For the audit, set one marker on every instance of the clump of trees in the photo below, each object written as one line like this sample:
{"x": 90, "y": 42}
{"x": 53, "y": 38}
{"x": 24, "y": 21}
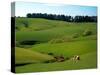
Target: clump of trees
{"x": 63, "y": 17}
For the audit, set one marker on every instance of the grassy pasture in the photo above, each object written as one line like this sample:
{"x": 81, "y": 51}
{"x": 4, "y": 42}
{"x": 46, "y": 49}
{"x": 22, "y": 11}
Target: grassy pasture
{"x": 44, "y": 31}
{"x": 85, "y": 63}
{"x": 27, "y": 56}
{"x": 61, "y": 29}
{"x": 67, "y": 49}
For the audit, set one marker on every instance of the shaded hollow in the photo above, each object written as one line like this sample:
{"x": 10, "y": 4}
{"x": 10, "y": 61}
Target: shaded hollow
{"x": 31, "y": 42}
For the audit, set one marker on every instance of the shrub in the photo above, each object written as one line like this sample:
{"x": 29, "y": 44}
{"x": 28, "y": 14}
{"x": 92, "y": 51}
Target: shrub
{"x": 87, "y": 33}
{"x": 50, "y": 53}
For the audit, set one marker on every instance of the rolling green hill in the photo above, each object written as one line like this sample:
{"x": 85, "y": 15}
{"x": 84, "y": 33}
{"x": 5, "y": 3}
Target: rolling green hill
{"x": 61, "y": 29}
{"x": 85, "y": 63}
{"x": 67, "y": 49}
{"x": 58, "y": 38}
{"x": 28, "y": 56}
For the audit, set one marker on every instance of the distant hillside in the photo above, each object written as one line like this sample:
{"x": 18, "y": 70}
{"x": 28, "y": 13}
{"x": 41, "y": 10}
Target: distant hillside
{"x": 45, "y": 30}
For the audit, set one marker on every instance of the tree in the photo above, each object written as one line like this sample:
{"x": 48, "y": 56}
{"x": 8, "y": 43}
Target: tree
{"x": 62, "y": 17}
{"x": 29, "y": 15}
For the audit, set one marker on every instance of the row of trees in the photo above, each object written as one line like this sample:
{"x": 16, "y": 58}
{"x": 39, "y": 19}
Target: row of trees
{"x": 63, "y": 17}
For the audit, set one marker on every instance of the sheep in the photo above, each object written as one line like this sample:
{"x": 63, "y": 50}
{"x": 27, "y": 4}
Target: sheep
{"x": 75, "y": 58}
{"x": 59, "y": 58}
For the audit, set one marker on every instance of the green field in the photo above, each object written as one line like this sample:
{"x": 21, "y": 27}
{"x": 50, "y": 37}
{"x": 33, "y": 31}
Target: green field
{"x": 27, "y": 56}
{"x": 41, "y": 40}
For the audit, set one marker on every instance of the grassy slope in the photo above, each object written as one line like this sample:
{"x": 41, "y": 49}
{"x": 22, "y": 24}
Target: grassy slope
{"x": 67, "y": 49}
{"x": 86, "y": 50}
{"x": 27, "y": 56}
{"x": 44, "y": 30}
{"x": 85, "y": 63}
{"x": 61, "y": 29}
{"x": 37, "y": 24}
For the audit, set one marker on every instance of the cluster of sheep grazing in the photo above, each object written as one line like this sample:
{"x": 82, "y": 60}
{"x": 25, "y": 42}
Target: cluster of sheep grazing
{"x": 75, "y": 58}
{"x": 61, "y": 58}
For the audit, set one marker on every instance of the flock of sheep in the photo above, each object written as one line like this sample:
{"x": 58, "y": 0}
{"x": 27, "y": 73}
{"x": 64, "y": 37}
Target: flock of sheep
{"x": 61, "y": 58}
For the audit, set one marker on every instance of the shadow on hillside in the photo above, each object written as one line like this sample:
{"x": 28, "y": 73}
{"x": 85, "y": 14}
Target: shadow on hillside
{"x": 27, "y": 43}
{"x": 22, "y": 64}
{"x": 32, "y": 42}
